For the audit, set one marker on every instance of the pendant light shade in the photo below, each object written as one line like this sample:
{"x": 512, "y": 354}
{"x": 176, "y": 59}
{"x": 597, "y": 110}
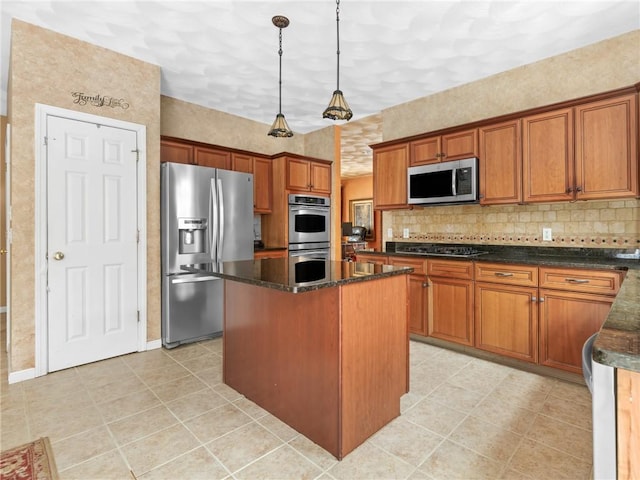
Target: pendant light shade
{"x": 338, "y": 108}
{"x": 280, "y": 127}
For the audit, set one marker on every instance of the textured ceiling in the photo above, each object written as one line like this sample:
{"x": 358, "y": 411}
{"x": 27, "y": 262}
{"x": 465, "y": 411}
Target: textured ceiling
{"x": 222, "y": 54}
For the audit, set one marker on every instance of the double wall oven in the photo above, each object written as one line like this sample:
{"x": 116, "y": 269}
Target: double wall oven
{"x": 309, "y": 226}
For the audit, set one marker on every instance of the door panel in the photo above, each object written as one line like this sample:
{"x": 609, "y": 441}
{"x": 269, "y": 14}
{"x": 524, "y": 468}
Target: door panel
{"x": 92, "y": 242}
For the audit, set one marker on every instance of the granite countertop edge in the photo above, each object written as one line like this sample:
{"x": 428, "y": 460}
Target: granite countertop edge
{"x": 301, "y": 288}
{"x": 618, "y": 342}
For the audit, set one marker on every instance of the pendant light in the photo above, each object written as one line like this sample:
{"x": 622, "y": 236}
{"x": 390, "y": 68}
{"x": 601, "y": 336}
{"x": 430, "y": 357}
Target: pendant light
{"x": 338, "y": 108}
{"x": 280, "y": 127}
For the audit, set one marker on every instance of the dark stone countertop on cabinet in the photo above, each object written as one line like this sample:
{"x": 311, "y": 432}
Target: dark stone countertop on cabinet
{"x": 282, "y": 274}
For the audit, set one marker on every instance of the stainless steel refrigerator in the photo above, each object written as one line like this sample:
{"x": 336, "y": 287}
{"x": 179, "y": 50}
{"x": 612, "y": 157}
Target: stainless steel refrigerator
{"x": 207, "y": 217}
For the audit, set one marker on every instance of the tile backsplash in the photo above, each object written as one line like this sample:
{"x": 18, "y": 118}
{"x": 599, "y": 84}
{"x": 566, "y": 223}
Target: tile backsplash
{"x": 601, "y": 224}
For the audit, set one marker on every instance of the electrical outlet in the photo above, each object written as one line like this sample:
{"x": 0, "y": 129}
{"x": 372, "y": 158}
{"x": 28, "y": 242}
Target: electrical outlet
{"x": 389, "y": 233}
{"x": 546, "y": 235}
{"x": 405, "y": 233}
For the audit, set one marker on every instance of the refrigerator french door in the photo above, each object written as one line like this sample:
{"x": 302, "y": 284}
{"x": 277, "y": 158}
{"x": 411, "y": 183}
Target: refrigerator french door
{"x": 206, "y": 217}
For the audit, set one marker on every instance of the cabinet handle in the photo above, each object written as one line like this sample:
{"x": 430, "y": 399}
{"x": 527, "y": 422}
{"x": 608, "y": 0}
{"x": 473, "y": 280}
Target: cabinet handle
{"x": 569, "y": 190}
{"x": 578, "y": 189}
{"x": 503, "y": 274}
{"x": 576, "y": 280}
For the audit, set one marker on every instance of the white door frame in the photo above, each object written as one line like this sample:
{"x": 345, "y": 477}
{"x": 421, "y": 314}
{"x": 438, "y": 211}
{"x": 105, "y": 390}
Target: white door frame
{"x": 41, "y": 310}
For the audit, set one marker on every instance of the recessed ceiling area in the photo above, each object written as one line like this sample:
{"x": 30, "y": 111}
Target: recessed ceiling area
{"x": 223, "y": 54}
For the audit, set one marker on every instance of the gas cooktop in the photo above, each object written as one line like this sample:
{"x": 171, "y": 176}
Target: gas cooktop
{"x": 440, "y": 250}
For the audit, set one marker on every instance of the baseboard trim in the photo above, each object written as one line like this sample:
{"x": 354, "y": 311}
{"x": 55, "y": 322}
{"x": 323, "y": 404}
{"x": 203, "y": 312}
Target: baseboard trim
{"x": 154, "y": 344}
{"x": 22, "y": 375}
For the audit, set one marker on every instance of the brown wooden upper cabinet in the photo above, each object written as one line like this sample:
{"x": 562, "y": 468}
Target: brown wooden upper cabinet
{"x": 607, "y": 149}
{"x": 443, "y": 148}
{"x": 604, "y": 163}
{"x": 262, "y": 171}
{"x": 547, "y": 156}
{"x": 390, "y": 176}
{"x": 500, "y": 164}
{"x": 308, "y": 176}
{"x": 211, "y": 157}
{"x": 176, "y": 152}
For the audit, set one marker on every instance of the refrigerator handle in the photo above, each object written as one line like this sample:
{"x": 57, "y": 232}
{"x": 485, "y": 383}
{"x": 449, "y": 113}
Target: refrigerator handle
{"x": 221, "y": 219}
{"x": 213, "y": 220}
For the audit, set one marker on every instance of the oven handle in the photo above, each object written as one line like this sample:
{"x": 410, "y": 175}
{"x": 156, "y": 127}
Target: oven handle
{"x": 308, "y": 253}
{"x": 297, "y": 208}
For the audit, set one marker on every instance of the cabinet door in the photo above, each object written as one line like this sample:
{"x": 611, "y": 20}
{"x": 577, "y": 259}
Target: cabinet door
{"x": 606, "y": 149}
{"x": 175, "y": 152}
{"x": 418, "y": 294}
{"x": 320, "y": 178}
{"x": 547, "y": 156}
{"x": 500, "y": 163}
{"x": 567, "y": 319}
{"x": 427, "y": 150}
{"x": 390, "y": 177}
{"x": 262, "y": 185}
{"x": 460, "y": 145}
{"x": 298, "y": 174}
{"x": 209, "y": 157}
{"x": 506, "y": 320}
{"x": 451, "y": 310}
{"x": 241, "y": 163}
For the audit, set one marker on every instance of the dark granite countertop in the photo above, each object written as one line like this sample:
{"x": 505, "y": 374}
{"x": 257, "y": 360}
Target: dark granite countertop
{"x": 291, "y": 275}
{"x": 618, "y": 344}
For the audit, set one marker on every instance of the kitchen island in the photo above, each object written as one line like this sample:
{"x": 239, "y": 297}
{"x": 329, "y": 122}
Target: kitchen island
{"x": 322, "y": 345}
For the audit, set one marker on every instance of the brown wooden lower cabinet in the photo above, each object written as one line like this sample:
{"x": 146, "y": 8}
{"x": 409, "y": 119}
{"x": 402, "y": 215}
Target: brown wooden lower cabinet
{"x": 567, "y": 320}
{"x": 506, "y": 320}
{"x": 418, "y": 297}
{"x": 332, "y": 363}
{"x": 537, "y": 314}
{"x": 628, "y": 420}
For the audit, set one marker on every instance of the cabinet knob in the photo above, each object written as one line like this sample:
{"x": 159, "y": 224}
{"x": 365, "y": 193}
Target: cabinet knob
{"x": 541, "y": 299}
{"x": 534, "y": 299}
{"x": 578, "y": 189}
{"x": 569, "y": 190}
{"x": 425, "y": 285}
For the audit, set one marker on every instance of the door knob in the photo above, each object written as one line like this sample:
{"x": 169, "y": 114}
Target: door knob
{"x": 58, "y": 256}
{"x": 3, "y": 251}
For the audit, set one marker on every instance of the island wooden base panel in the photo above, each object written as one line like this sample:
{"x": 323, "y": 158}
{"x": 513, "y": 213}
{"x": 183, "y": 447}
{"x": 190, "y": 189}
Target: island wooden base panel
{"x": 331, "y": 363}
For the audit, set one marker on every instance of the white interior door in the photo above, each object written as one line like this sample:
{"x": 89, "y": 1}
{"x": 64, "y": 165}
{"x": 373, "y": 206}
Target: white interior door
{"x": 91, "y": 242}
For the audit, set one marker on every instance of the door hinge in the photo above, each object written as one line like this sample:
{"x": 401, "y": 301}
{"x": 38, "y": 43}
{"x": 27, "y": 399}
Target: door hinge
{"x": 137, "y": 152}
{"x": 138, "y": 315}
{"x": 137, "y": 236}
{"x": 46, "y": 141}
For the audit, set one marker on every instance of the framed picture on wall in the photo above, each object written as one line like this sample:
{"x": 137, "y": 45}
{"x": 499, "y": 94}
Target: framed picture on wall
{"x": 362, "y": 216}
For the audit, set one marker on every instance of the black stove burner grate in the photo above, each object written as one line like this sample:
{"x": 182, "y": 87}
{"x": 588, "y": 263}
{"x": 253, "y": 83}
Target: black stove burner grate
{"x": 444, "y": 250}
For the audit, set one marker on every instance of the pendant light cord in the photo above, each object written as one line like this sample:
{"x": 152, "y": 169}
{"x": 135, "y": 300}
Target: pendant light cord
{"x": 338, "y": 43}
{"x": 280, "y": 76}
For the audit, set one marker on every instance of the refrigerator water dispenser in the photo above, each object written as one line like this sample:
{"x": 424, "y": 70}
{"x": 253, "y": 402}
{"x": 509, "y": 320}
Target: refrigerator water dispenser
{"x": 192, "y": 235}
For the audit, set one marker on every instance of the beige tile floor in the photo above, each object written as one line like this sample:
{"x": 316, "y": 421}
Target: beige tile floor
{"x": 167, "y": 415}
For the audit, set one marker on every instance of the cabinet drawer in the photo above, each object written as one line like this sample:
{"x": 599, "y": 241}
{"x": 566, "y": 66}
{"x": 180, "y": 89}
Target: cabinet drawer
{"x": 450, "y": 269}
{"x": 606, "y": 282}
{"x": 508, "y": 274}
{"x": 419, "y": 265}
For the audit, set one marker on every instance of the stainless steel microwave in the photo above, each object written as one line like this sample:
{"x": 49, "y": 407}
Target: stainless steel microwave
{"x": 443, "y": 183}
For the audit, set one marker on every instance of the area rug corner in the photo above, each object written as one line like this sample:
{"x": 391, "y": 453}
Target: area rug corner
{"x": 31, "y": 461}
